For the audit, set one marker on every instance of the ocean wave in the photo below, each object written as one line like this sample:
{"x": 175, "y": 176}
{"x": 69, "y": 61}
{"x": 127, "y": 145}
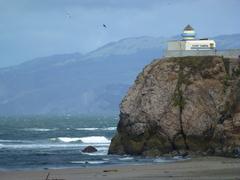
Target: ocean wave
{"x": 88, "y": 162}
{"x": 13, "y": 141}
{"x": 96, "y": 162}
{"x": 94, "y": 129}
{"x": 161, "y": 160}
{"x": 38, "y": 146}
{"x": 87, "y": 129}
{"x": 6, "y": 141}
{"x": 66, "y": 139}
{"x": 125, "y": 158}
{"x": 109, "y": 128}
{"x": 95, "y": 139}
{"x": 39, "y": 129}
{"x": 98, "y": 153}
{"x": 78, "y": 162}
{"x": 89, "y": 139}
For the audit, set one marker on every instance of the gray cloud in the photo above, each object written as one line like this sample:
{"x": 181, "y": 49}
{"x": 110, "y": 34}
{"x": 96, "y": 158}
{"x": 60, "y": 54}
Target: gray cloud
{"x": 92, "y": 4}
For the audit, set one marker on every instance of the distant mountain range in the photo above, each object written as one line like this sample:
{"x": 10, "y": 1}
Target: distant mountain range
{"x": 93, "y": 83}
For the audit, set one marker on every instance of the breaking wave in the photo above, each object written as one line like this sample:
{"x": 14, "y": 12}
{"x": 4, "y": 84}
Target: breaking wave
{"x": 89, "y": 139}
{"x": 88, "y": 162}
{"x": 125, "y": 158}
{"x": 13, "y": 141}
{"x": 39, "y": 129}
{"x": 38, "y": 146}
{"x": 94, "y": 129}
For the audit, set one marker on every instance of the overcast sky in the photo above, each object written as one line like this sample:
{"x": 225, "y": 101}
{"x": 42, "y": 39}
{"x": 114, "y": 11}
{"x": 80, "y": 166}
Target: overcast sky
{"x": 35, "y": 28}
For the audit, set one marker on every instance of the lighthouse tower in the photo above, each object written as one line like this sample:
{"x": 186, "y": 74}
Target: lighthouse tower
{"x": 188, "y": 33}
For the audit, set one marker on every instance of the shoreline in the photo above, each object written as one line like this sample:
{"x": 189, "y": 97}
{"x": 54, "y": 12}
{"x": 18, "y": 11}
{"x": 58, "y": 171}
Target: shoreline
{"x": 195, "y": 168}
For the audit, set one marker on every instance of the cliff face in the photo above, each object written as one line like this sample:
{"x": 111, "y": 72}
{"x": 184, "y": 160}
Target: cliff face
{"x": 182, "y": 104}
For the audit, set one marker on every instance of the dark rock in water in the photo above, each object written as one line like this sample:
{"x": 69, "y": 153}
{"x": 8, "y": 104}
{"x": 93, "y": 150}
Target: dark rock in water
{"x": 89, "y": 149}
{"x": 183, "y": 104}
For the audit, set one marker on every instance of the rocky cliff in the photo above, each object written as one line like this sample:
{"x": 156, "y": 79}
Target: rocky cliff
{"x": 182, "y": 104}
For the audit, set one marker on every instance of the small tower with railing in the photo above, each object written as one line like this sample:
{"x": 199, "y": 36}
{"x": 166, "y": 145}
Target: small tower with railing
{"x": 188, "y": 33}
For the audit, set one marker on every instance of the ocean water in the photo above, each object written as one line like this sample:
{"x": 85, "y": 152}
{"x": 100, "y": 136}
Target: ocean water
{"x": 56, "y": 142}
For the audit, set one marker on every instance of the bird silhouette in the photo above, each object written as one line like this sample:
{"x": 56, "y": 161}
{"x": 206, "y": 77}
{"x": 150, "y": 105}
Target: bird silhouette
{"x": 104, "y": 26}
{"x": 68, "y": 15}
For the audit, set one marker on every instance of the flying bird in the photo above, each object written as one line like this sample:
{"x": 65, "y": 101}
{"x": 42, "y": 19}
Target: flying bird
{"x": 68, "y": 15}
{"x": 104, "y": 26}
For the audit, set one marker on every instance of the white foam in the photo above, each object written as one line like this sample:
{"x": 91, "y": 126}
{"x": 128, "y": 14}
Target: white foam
{"x": 39, "y": 129}
{"x": 102, "y": 148}
{"x": 110, "y": 128}
{"x": 14, "y": 141}
{"x": 6, "y": 141}
{"x": 88, "y": 162}
{"x": 66, "y": 139}
{"x": 89, "y": 139}
{"x": 94, "y": 129}
{"x": 160, "y": 160}
{"x": 97, "y": 153}
{"x": 38, "y": 146}
{"x": 87, "y": 129}
{"x": 95, "y": 139}
{"x": 126, "y": 158}
{"x": 96, "y": 162}
{"x": 79, "y": 162}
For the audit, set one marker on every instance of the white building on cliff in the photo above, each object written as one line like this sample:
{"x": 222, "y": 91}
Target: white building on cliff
{"x": 189, "y": 45}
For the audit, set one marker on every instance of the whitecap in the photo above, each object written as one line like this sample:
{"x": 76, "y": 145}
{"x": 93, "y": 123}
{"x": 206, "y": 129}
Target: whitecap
{"x": 94, "y": 129}
{"x": 78, "y": 162}
{"x": 13, "y": 141}
{"x": 87, "y": 129}
{"x": 102, "y": 148}
{"x": 125, "y": 158}
{"x": 110, "y": 128}
{"x": 96, "y": 162}
{"x": 38, "y": 146}
{"x": 97, "y": 153}
{"x": 66, "y": 139}
{"x": 6, "y": 141}
{"x": 88, "y": 139}
{"x": 88, "y": 162}
{"x": 39, "y": 129}
{"x": 95, "y": 139}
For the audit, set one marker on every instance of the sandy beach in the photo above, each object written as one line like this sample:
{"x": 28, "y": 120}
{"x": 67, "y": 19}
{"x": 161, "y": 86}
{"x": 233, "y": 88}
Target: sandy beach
{"x": 197, "y": 168}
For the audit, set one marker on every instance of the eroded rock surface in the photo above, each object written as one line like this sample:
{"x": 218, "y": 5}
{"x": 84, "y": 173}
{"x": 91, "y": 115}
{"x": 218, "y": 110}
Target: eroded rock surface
{"x": 182, "y": 104}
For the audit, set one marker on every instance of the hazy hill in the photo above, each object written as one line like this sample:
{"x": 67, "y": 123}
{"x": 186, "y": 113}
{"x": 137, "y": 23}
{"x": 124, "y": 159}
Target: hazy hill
{"x": 81, "y": 84}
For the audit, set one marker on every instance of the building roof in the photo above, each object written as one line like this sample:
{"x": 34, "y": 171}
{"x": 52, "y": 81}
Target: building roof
{"x": 188, "y": 28}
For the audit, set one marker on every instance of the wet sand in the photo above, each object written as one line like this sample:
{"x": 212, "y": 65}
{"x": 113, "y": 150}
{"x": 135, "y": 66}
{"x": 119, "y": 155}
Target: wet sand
{"x": 207, "y": 168}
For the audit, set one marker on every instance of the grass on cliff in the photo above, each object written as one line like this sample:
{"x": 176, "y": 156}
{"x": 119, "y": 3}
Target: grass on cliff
{"x": 195, "y": 63}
